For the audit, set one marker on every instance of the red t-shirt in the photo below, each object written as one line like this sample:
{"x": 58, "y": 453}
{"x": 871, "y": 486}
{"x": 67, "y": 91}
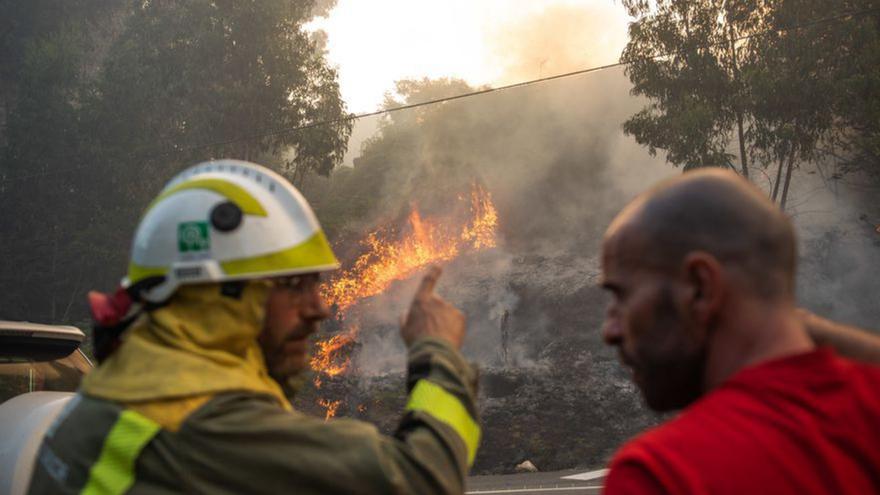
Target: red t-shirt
{"x": 804, "y": 424}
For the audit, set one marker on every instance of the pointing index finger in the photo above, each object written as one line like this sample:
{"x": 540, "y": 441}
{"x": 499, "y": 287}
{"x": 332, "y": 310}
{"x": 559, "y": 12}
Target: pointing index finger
{"x": 426, "y": 288}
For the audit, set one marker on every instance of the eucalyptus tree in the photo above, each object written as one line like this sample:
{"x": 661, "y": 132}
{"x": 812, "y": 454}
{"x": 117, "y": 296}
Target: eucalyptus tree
{"x": 684, "y": 56}
{"x": 792, "y": 94}
{"x": 790, "y": 80}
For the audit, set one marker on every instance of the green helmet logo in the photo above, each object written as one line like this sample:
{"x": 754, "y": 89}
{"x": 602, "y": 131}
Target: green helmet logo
{"x": 193, "y": 236}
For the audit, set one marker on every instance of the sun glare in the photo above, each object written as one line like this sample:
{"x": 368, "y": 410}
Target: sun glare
{"x": 376, "y": 43}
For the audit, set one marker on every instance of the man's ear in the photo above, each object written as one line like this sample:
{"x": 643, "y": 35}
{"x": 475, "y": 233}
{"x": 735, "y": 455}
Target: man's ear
{"x": 704, "y": 275}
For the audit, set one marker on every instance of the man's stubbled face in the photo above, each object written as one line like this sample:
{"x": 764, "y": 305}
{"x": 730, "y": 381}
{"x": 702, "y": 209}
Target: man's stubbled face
{"x": 653, "y": 335}
{"x": 294, "y": 310}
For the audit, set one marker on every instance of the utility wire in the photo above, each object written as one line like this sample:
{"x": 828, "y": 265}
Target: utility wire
{"x": 281, "y": 131}
{"x": 289, "y": 130}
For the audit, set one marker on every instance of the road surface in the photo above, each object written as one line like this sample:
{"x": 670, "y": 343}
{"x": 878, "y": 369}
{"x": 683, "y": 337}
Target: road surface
{"x": 571, "y": 482}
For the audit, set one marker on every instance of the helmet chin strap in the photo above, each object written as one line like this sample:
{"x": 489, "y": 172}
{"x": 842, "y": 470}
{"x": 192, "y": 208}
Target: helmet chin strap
{"x": 112, "y": 314}
{"x": 233, "y": 288}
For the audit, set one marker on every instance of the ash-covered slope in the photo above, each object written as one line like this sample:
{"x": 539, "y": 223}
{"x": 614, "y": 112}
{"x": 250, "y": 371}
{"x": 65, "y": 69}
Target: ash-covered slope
{"x": 559, "y": 398}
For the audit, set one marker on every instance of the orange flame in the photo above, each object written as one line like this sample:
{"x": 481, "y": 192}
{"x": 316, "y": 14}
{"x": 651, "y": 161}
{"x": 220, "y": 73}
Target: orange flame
{"x": 481, "y": 231}
{"x": 386, "y": 261}
{"x": 331, "y": 406}
{"x": 330, "y": 357}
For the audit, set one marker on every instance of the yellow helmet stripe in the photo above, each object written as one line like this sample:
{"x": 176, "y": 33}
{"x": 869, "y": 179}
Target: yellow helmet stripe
{"x": 313, "y": 253}
{"x": 136, "y": 272}
{"x": 235, "y": 193}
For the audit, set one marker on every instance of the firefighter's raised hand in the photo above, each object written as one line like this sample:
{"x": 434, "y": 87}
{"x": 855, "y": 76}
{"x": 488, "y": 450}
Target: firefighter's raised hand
{"x": 431, "y": 316}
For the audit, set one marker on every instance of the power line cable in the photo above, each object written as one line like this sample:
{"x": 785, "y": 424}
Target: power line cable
{"x": 289, "y": 130}
{"x": 269, "y": 133}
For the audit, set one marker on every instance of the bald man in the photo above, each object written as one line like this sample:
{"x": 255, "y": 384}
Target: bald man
{"x": 702, "y": 274}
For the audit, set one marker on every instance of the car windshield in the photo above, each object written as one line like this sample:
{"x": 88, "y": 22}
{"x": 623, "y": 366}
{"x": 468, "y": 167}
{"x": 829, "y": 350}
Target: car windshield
{"x": 33, "y": 372}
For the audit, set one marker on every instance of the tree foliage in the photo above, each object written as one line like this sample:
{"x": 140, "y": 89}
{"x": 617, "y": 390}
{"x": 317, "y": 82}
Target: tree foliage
{"x": 108, "y": 98}
{"x": 208, "y": 72}
{"x": 789, "y": 80}
{"x": 683, "y": 56}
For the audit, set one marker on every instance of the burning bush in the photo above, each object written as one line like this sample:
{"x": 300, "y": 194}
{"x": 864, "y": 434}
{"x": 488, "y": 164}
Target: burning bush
{"x": 390, "y": 255}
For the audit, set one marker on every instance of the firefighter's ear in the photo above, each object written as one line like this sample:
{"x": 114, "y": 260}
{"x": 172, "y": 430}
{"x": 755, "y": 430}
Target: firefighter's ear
{"x": 704, "y": 280}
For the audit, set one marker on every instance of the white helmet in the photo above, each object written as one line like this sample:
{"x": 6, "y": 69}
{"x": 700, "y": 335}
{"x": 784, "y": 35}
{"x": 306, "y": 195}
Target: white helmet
{"x": 225, "y": 220}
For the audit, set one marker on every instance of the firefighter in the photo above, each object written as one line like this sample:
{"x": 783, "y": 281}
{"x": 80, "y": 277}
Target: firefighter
{"x": 206, "y": 338}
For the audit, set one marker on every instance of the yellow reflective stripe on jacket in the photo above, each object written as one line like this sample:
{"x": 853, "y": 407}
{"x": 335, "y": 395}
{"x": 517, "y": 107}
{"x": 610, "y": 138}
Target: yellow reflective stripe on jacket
{"x": 433, "y": 399}
{"x": 113, "y": 472}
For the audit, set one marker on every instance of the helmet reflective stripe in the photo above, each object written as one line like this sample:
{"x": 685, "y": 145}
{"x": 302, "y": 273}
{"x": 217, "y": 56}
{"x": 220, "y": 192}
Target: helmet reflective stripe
{"x": 313, "y": 255}
{"x": 179, "y": 239}
{"x": 232, "y": 192}
{"x": 137, "y": 273}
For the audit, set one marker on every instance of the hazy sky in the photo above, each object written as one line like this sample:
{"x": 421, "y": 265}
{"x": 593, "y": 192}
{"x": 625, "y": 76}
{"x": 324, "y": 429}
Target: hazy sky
{"x": 378, "y": 42}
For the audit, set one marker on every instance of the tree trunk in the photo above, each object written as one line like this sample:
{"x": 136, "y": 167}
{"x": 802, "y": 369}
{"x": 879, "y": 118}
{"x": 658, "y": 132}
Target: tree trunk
{"x": 744, "y": 161}
{"x": 778, "y": 179}
{"x": 54, "y": 284}
{"x": 787, "y": 180}
{"x": 303, "y": 181}
{"x": 298, "y": 175}
{"x": 742, "y": 145}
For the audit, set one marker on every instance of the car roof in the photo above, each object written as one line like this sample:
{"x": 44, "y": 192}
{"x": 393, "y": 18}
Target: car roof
{"x": 40, "y": 331}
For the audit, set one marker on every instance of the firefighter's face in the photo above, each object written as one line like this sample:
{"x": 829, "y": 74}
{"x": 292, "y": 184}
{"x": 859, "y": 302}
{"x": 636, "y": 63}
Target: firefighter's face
{"x": 293, "y": 311}
{"x": 652, "y": 332}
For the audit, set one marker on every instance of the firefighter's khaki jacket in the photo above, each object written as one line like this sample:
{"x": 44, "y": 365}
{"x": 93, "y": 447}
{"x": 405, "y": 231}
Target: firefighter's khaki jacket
{"x": 185, "y": 405}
